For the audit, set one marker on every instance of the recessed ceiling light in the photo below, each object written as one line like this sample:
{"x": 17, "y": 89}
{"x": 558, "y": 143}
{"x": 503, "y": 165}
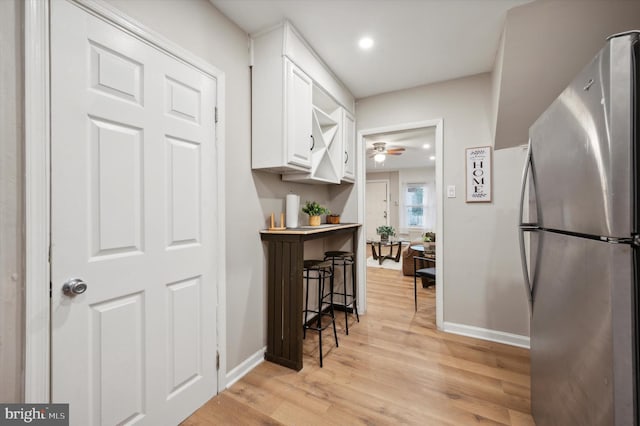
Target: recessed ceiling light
{"x": 426, "y": 146}
{"x": 433, "y": 157}
{"x": 365, "y": 43}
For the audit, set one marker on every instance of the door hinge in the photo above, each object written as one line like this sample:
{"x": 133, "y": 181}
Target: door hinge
{"x": 50, "y": 289}
{"x": 215, "y": 115}
{"x": 217, "y": 360}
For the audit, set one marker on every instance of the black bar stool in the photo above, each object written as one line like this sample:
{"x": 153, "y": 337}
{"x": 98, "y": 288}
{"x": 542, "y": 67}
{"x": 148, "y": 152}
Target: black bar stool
{"x": 319, "y": 270}
{"x": 344, "y": 259}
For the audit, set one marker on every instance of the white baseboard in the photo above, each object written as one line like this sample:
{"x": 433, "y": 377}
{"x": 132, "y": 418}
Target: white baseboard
{"x": 245, "y": 367}
{"x": 486, "y": 334}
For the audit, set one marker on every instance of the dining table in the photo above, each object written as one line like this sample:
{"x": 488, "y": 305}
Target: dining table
{"x": 390, "y": 244}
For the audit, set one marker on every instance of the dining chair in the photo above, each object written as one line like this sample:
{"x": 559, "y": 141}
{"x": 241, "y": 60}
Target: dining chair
{"x": 428, "y": 272}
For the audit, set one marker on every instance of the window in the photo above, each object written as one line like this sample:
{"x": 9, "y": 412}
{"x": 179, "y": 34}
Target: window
{"x": 418, "y": 206}
{"x": 415, "y": 205}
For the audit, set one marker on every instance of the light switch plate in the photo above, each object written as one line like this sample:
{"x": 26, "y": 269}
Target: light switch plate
{"x": 451, "y": 191}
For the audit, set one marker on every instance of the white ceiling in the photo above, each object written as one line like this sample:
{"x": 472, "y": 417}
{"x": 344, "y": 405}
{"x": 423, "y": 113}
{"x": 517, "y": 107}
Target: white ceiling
{"x": 416, "y": 41}
{"x": 416, "y": 155}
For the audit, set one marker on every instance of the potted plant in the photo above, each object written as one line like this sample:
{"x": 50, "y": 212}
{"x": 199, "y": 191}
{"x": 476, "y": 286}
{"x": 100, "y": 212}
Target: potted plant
{"x": 333, "y": 218}
{"x": 314, "y": 210}
{"x": 385, "y": 231}
{"x": 429, "y": 242}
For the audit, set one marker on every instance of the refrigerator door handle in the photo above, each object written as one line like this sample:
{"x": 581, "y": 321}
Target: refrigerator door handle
{"x": 524, "y": 227}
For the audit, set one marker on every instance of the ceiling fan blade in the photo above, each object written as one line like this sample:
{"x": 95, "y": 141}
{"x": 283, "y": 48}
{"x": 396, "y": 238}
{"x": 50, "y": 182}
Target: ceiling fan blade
{"x": 394, "y": 153}
{"x": 390, "y": 150}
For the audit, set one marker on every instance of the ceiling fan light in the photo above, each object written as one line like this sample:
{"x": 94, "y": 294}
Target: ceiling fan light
{"x": 379, "y": 158}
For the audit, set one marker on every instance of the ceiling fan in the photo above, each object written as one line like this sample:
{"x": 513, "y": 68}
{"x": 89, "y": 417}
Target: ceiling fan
{"x": 380, "y": 151}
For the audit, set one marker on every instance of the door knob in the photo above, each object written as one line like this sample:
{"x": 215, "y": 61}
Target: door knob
{"x": 74, "y": 286}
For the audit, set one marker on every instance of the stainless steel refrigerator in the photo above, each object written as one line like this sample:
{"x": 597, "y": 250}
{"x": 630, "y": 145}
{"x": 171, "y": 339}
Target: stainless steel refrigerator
{"x": 581, "y": 273}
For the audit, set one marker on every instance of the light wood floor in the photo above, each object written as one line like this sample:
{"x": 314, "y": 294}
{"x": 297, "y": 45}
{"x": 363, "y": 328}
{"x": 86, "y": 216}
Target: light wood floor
{"x": 393, "y": 368}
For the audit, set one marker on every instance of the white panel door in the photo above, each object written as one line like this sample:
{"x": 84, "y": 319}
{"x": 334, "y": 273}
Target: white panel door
{"x": 133, "y": 212}
{"x": 376, "y": 208}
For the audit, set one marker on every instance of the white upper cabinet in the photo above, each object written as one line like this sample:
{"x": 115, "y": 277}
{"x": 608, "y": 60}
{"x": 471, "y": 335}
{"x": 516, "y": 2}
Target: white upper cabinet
{"x": 327, "y": 148}
{"x": 301, "y": 113}
{"x": 349, "y": 147}
{"x": 298, "y": 121}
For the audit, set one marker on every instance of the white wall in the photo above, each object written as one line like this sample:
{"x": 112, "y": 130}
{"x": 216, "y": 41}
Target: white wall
{"x": 504, "y": 298}
{"x": 482, "y": 287}
{"x": 11, "y": 201}
{"x": 545, "y": 44}
{"x": 250, "y": 196}
{"x": 496, "y": 79}
{"x": 397, "y": 180}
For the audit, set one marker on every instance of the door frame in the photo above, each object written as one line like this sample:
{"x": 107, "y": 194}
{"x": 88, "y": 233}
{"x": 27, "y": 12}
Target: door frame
{"x": 37, "y": 369}
{"x": 361, "y": 190}
{"x": 388, "y": 183}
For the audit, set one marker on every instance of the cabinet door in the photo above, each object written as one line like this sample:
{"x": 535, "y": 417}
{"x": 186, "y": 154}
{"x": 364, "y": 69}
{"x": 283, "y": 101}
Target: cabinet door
{"x": 348, "y": 138}
{"x": 298, "y": 138}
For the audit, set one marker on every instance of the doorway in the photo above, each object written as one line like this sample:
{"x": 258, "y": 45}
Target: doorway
{"x": 437, "y": 124}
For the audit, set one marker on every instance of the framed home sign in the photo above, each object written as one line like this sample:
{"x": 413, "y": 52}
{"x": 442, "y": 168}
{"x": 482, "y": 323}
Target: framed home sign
{"x": 478, "y": 174}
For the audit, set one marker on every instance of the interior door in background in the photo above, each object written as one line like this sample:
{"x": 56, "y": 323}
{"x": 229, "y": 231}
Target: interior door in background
{"x": 133, "y": 197}
{"x": 376, "y": 207}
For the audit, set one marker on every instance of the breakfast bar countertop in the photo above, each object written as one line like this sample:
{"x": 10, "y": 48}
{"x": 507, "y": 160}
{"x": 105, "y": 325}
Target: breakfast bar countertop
{"x": 308, "y": 230}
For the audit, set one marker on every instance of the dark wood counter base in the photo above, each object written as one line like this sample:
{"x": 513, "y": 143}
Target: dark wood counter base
{"x": 285, "y": 288}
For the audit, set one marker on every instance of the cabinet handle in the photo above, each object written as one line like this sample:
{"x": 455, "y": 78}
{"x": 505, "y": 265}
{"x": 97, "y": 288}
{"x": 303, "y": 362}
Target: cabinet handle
{"x": 346, "y": 157}
{"x": 313, "y": 143}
